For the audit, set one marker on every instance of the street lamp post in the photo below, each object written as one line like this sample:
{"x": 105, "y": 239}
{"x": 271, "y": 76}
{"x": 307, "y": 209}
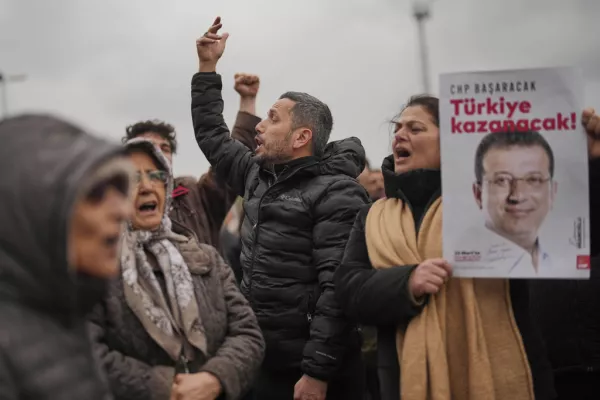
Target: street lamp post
{"x": 4, "y": 81}
{"x": 421, "y": 12}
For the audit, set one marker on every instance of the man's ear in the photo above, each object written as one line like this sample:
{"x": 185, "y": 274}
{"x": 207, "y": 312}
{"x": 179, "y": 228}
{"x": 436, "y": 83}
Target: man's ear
{"x": 302, "y": 137}
{"x": 477, "y": 194}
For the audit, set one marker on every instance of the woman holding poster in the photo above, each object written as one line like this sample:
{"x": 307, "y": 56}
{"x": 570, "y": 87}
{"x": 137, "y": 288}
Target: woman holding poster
{"x": 439, "y": 337}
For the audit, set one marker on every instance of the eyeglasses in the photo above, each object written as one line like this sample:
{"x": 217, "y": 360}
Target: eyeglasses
{"x": 505, "y": 181}
{"x": 155, "y": 177}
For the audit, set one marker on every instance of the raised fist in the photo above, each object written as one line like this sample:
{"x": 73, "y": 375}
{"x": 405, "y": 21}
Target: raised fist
{"x": 211, "y": 46}
{"x": 247, "y": 85}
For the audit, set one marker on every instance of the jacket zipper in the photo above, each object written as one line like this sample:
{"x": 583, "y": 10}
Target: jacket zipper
{"x": 256, "y": 226}
{"x": 184, "y": 362}
{"x": 309, "y": 316}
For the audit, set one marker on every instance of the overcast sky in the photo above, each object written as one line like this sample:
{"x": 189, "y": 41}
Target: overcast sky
{"x": 106, "y": 64}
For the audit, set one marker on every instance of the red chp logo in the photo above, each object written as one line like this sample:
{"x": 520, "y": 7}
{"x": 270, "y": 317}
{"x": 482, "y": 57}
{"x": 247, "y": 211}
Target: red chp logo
{"x": 583, "y": 262}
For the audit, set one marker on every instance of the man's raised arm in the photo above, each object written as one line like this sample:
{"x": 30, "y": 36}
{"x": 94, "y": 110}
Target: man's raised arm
{"x": 229, "y": 158}
{"x": 244, "y": 130}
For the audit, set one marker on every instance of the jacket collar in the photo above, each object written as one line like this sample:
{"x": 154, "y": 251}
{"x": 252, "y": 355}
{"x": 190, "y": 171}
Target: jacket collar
{"x": 416, "y": 187}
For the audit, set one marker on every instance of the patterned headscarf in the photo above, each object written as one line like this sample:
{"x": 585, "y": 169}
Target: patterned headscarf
{"x": 172, "y": 319}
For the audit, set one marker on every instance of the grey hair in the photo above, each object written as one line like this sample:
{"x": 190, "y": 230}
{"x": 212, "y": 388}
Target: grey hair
{"x": 313, "y": 114}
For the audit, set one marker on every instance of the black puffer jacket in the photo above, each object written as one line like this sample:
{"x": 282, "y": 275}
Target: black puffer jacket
{"x": 381, "y": 297}
{"x": 297, "y": 222}
{"x": 44, "y": 347}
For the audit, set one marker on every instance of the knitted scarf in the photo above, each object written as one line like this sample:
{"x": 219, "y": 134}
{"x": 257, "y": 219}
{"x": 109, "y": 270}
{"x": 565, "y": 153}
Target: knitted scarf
{"x": 465, "y": 344}
{"x": 170, "y": 316}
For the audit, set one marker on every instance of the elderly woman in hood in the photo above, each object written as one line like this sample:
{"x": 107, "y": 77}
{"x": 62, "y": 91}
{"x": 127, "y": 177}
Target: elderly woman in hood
{"x": 63, "y": 201}
{"x": 174, "y": 325}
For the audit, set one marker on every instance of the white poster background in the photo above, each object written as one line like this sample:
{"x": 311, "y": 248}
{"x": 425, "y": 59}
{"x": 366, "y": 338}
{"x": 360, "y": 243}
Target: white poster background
{"x": 557, "y": 90}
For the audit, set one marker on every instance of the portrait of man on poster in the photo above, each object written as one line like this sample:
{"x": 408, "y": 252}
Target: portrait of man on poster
{"x": 515, "y": 190}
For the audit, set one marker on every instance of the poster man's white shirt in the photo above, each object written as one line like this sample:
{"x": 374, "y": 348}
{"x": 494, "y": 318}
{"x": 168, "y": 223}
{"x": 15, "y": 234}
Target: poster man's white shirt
{"x": 487, "y": 254}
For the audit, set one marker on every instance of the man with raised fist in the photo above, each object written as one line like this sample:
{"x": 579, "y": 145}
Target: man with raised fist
{"x": 300, "y": 201}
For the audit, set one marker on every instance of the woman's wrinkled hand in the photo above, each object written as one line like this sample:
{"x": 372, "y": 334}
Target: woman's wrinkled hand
{"x": 429, "y": 277}
{"x": 200, "y": 386}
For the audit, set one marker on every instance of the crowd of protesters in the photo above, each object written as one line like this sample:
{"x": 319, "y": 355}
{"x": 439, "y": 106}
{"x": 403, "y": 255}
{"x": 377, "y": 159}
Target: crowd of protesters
{"x": 292, "y": 269}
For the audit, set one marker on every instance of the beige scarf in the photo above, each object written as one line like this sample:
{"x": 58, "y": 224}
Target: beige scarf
{"x": 465, "y": 344}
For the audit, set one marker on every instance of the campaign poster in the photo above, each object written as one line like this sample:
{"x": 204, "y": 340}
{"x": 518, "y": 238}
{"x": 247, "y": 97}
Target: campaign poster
{"x": 515, "y": 174}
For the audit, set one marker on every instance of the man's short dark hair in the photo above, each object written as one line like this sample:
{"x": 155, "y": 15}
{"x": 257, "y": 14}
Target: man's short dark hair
{"x": 510, "y": 138}
{"x": 312, "y": 113}
{"x": 164, "y": 130}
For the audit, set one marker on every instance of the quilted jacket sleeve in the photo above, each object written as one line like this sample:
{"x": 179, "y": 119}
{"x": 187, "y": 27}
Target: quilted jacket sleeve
{"x": 229, "y": 158}
{"x": 331, "y": 331}
{"x": 373, "y": 296}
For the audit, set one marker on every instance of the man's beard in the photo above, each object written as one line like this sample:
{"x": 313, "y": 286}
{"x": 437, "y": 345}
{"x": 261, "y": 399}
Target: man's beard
{"x": 273, "y": 154}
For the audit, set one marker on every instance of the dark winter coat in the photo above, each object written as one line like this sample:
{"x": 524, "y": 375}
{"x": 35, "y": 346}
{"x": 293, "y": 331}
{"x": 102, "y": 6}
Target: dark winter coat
{"x": 296, "y": 225}
{"x": 201, "y": 205}
{"x": 45, "y": 352}
{"x": 139, "y": 369}
{"x": 569, "y": 310}
{"x": 381, "y": 297}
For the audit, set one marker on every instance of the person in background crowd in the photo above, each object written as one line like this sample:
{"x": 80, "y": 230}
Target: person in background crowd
{"x": 55, "y": 254}
{"x": 569, "y": 310}
{"x": 372, "y": 181}
{"x": 438, "y": 337}
{"x": 300, "y": 198}
{"x": 176, "y": 312}
{"x": 230, "y": 237}
{"x": 202, "y": 204}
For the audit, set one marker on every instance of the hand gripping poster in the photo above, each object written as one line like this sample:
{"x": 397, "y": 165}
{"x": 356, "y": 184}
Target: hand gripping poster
{"x": 515, "y": 174}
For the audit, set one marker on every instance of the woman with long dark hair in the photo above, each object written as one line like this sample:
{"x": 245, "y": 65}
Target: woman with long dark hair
{"x": 438, "y": 337}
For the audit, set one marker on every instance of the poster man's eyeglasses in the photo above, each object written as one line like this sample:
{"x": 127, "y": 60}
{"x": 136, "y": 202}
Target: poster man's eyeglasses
{"x": 508, "y": 181}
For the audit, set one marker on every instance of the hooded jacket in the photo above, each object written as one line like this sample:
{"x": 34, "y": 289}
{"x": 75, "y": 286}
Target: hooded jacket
{"x": 297, "y": 220}
{"x": 44, "y": 348}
